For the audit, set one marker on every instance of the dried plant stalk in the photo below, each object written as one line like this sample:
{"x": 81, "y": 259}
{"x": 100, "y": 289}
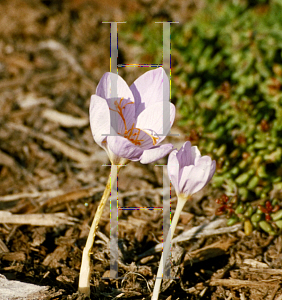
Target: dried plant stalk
{"x": 84, "y": 276}
{"x": 55, "y": 219}
{"x": 180, "y": 204}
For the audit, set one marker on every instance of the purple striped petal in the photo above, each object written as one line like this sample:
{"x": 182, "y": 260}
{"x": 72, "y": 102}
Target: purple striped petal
{"x": 122, "y": 114}
{"x": 173, "y": 170}
{"x": 104, "y": 88}
{"x": 152, "y": 118}
{"x": 100, "y": 123}
{"x": 188, "y": 170}
{"x": 155, "y": 153}
{"x": 193, "y": 179}
{"x": 122, "y": 147}
{"x": 148, "y": 89}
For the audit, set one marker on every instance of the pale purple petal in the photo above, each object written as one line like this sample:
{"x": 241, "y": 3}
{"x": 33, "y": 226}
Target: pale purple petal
{"x": 205, "y": 163}
{"x": 122, "y": 147}
{"x": 173, "y": 169}
{"x": 194, "y": 170}
{"x": 155, "y": 153}
{"x": 122, "y": 111}
{"x": 99, "y": 116}
{"x": 147, "y": 138}
{"x": 184, "y": 177}
{"x": 148, "y": 89}
{"x": 152, "y": 118}
{"x": 192, "y": 180}
{"x": 184, "y": 155}
{"x": 122, "y": 89}
{"x": 115, "y": 159}
{"x": 187, "y": 154}
{"x": 212, "y": 170}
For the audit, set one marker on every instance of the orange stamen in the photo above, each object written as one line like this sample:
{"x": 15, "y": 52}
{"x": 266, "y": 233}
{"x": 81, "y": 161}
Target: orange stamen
{"x": 132, "y": 137}
{"x": 152, "y": 137}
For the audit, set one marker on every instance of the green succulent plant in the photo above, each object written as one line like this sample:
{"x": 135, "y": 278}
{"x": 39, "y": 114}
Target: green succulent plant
{"x": 227, "y": 86}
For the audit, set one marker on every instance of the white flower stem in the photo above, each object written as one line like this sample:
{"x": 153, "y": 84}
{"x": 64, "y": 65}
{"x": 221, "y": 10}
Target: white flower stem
{"x": 84, "y": 275}
{"x": 180, "y": 204}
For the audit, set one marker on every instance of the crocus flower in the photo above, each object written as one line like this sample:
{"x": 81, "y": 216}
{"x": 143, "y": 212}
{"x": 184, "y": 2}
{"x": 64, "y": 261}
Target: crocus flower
{"x": 189, "y": 172}
{"x": 130, "y": 126}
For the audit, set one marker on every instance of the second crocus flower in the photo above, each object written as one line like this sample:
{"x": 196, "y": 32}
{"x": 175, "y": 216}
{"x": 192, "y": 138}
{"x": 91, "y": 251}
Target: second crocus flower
{"x": 189, "y": 172}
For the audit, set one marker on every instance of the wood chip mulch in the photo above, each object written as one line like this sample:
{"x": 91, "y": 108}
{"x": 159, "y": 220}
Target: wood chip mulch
{"x": 52, "y": 175}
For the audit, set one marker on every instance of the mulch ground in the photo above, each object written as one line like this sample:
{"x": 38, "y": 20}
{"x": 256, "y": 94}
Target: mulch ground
{"x": 52, "y": 55}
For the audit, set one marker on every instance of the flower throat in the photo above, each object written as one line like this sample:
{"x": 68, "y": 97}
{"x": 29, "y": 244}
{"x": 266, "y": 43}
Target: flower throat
{"x": 133, "y": 133}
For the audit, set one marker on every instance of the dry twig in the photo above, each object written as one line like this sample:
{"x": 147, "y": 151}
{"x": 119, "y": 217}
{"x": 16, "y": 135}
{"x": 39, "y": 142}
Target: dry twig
{"x": 63, "y": 119}
{"x": 197, "y": 232}
{"x": 37, "y": 219}
{"x": 237, "y": 283}
{"x": 44, "y": 194}
{"x": 60, "y": 146}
